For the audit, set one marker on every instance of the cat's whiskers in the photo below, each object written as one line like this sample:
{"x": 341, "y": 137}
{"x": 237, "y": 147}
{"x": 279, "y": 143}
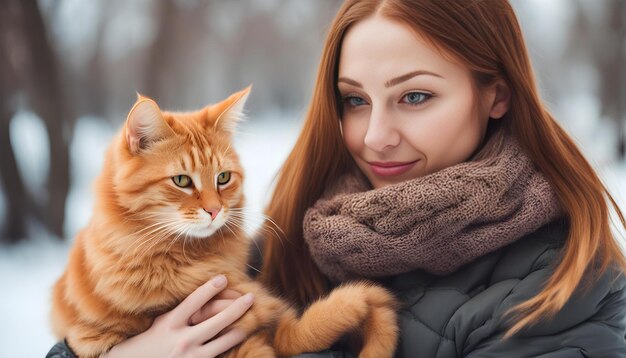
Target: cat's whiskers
{"x": 257, "y": 215}
{"x": 183, "y": 235}
{"x": 227, "y": 149}
{"x": 162, "y": 218}
{"x": 187, "y": 236}
{"x": 183, "y": 231}
{"x": 243, "y": 225}
{"x": 151, "y": 250}
{"x": 141, "y": 216}
{"x": 159, "y": 236}
{"x": 227, "y": 226}
{"x": 167, "y": 230}
{"x": 184, "y": 253}
{"x": 161, "y": 222}
{"x": 254, "y": 268}
{"x": 144, "y": 217}
{"x": 256, "y": 244}
{"x": 147, "y": 236}
{"x": 221, "y": 231}
{"x": 240, "y": 214}
{"x": 243, "y": 222}
{"x": 178, "y": 229}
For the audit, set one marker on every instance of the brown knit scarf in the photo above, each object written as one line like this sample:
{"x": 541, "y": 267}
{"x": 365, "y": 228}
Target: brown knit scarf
{"x": 438, "y": 222}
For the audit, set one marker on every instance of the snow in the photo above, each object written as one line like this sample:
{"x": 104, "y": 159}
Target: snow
{"x": 28, "y": 273}
{"x": 90, "y": 141}
{"x": 32, "y": 153}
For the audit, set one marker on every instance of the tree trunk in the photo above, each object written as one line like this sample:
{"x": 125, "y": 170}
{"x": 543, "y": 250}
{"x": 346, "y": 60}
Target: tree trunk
{"x": 619, "y": 18}
{"x": 33, "y": 64}
{"x": 10, "y": 177}
{"x": 159, "y": 57}
{"x": 14, "y": 190}
{"x": 613, "y": 76}
{"x": 46, "y": 95}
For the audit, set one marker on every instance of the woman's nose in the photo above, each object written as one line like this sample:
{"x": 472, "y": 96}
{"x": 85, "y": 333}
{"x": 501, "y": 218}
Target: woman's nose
{"x": 381, "y": 134}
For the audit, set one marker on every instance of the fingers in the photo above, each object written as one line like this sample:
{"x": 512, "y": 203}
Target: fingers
{"x": 211, "y": 327}
{"x": 215, "y": 306}
{"x": 228, "y": 294}
{"x": 223, "y": 343}
{"x": 210, "y": 309}
{"x": 197, "y": 299}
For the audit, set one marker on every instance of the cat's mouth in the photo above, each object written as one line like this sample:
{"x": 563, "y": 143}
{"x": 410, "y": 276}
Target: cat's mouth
{"x": 201, "y": 232}
{"x": 200, "y": 227}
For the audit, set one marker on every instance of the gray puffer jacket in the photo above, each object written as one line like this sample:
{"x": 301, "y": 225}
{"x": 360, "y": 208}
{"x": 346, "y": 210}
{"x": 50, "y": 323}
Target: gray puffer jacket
{"x": 462, "y": 315}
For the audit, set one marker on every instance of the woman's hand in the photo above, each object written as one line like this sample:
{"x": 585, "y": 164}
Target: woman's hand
{"x": 192, "y": 329}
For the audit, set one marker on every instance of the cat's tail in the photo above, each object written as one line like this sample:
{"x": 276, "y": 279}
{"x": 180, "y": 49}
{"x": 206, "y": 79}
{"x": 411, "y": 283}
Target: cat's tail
{"x": 356, "y": 307}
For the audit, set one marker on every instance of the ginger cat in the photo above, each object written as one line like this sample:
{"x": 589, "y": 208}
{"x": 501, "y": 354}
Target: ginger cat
{"x": 170, "y": 186}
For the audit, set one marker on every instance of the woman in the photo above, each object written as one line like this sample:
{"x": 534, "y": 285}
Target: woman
{"x": 469, "y": 202}
{"x": 428, "y": 163}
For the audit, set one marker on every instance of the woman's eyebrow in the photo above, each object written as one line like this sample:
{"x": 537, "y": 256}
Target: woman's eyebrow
{"x": 393, "y": 81}
{"x": 349, "y": 81}
{"x": 405, "y": 77}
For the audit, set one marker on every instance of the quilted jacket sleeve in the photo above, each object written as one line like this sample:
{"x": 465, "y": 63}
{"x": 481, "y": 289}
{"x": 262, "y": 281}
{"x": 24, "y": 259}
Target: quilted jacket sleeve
{"x": 60, "y": 350}
{"x": 591, "y": 324}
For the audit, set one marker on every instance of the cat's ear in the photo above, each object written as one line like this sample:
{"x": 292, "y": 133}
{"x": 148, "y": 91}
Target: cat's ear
{"x": 231, "y": 111}
{"x": 145, "y": 124}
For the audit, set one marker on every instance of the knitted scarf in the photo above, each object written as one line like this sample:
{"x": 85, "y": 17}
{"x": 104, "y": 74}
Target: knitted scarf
{"x": 437, "y": 222}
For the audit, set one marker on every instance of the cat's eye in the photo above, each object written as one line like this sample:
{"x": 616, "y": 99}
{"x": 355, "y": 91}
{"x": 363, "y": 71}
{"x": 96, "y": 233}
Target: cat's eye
{"x": 183, "y": 181}
{"x": 223, "y": 178}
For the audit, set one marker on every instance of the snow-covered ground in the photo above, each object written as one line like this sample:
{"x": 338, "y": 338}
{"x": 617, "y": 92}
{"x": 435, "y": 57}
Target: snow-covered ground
{"x": 28, "y": 270}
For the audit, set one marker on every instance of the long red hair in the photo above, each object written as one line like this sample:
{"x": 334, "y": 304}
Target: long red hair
{"x": 484, "y": 35}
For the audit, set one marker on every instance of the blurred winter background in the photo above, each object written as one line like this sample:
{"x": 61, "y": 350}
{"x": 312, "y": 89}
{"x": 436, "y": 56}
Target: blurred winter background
{"x": 69, "y": 70}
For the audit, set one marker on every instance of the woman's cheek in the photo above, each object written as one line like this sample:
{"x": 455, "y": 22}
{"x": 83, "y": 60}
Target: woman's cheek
{"x": 354, "y": 131}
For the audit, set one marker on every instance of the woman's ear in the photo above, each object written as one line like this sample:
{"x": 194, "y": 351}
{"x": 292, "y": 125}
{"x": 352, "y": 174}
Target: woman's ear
{"x": 501, "y": 99}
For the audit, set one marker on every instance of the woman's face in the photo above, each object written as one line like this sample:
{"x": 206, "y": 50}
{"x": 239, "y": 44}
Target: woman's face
{"x": 408, "y": 111}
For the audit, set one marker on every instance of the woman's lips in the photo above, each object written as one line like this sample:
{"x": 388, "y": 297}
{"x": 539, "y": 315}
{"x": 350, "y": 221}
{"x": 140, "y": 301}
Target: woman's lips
{"x": 390, "y": 169}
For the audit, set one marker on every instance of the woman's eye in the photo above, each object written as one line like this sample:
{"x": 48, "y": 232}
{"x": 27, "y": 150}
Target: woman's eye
{"x": 354, "y": 101}
{"x": 183, "y": 181}
{"x": 223, "y": 178}
{"x": 416, "y": 98}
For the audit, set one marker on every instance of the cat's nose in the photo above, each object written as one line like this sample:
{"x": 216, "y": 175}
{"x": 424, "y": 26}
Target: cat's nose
{"x": 213, "y": 211}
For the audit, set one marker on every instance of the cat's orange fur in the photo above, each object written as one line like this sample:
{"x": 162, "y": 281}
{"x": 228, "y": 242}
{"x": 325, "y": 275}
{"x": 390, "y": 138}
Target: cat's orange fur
{"x": 136, "y": 259}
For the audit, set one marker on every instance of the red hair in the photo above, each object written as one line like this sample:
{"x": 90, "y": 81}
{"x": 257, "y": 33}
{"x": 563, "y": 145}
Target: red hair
{"x": 486, "y": 37}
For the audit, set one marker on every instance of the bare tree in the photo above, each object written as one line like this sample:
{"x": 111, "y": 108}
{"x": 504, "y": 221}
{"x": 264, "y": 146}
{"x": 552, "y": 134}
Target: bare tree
{"x": 601, "y": 42}
{"x": 32, "y": 67}
{"x": 611, "y": 60}
{"x": 11, "y": 178}
{"x": 160, "y": 58}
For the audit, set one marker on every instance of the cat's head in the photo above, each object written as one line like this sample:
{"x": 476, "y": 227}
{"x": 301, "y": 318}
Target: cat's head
{"x": 179, "y": 170}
